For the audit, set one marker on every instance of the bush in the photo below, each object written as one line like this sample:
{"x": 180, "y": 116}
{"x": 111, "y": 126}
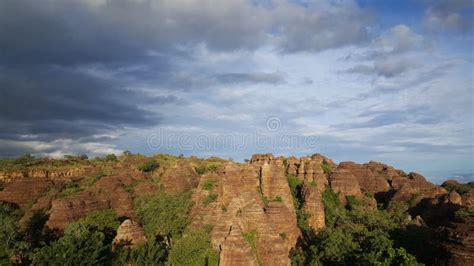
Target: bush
{"x": 208, "y": 185}
{"x": 10, "y": 238}
{"x": 459, "y": 188}
{"x": 464, "y": 213}
{"x": 69, "y": 189}
{"x": 111, "y": 158}
{"x": 209, "y": 199}
{"x": 193, "y": 249}
{"x": 358, "y": 235}
{"x": 326, "y": 167}
{"x": 148, "y": 166}
{"x": 106, "y": 219}
{"x": 148, "y": 253}
{"x": 80, "y": 245}
{"x": 164, "y": 214}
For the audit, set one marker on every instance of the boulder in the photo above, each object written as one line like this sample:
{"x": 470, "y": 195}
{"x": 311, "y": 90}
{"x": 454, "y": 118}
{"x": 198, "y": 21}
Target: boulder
{"x": 129, "y": 234}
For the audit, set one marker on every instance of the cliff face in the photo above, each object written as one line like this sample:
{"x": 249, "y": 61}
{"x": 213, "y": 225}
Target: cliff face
{"x": 254, "y": 199}
{"x": 250, "y": 206}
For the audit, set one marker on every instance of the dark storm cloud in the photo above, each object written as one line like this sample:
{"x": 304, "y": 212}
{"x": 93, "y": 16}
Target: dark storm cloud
{"x": 76, "y": 69}
{"x": 54, "y": 101}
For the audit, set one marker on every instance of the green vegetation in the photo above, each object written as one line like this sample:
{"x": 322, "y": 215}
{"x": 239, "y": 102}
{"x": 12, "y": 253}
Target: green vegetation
{"x": 296, "y": 186}
{"x": 464, "y": 213}
{"x": 326, "y": 167}
{"x": 69, "y": 189}
{"x": 147, "y": 253}
{"x": 111, "y": 158}
{"x": 355, "y": 234}
{"x": 80, "y": 245}
{"x": 10, "y": 238}
{"x": 193, "y": 249}
{"x": 164, "y": 214}
{"x": 251, "y": 238}
{"x": 106, "y": 219}
{"x": 207, "y": 167}
{"x": 459, "y": 188}
{"x": 209, "y": 199}
{"x": 148, "y": 166}
{"x": 209, "y": 185}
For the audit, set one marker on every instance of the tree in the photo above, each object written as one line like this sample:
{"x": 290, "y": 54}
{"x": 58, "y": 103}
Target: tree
{"x": 164, "y": 214}
{"x": 148, "y": 253}
{"x": 80, "y": 245}
{"x": 10, "y": 239}
{"x": 111, "y": 158}
{"x": 355, "y": 234}
{"x": 193, "y": 249}
{"x": 148, "y": 166}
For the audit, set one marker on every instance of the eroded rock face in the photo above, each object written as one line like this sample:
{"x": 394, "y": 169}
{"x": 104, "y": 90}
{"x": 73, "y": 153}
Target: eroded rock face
{"x": 241, "y": 192}
{"x": 26, "y": 191}
{"x": 236, "y": 251}
{"x": 65, "y": 211}
{"x": 369, "y": 181}
{"x": 314, "y": 207}
{"x": 414, "y": 188}
{"x": 113, "y": 188}
{"x": 129, "y": 234}
{"x": 180, "y": 178}
{"x": 343, "y": 182}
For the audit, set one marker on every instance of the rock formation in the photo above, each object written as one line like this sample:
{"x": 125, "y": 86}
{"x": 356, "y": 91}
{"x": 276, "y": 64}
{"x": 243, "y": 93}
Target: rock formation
{"x": 236, "y": 251}
{"x": 250, "y": 206}
{"x": 129, "y": 234}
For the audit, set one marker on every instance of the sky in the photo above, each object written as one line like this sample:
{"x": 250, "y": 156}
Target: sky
{"x": 388, "y": 81}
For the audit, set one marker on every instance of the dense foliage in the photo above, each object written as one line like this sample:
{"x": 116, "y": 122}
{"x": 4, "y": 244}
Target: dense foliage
{"x": 148, "y": 253}
{"x": 148, "y": 166}
{"x": 164, "y": 214}
{"x": 80, "y": 245}
{"x": 194, "y": 249}
{"x": 355, "y": 234}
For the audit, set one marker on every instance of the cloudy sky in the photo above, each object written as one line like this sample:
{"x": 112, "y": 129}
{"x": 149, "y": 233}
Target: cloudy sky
{"x": 363, "y": 80}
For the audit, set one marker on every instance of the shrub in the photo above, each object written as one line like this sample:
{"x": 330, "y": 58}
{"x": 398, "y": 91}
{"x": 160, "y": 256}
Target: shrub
{"x": 212, "y": 167}
{"x": 459, "y": 188}
{"x": 358, "y": 235}
{"x": 148, "y": 253}
{"x": 80, "y": 245}
{"x": 326, "y": 167}
{"x": 10, "y": 239}
{"x": 69, "y": 189}
{"x": 164, "y": 214}
{"x": 251, "y": 237}
{"x": 111, "y": 158}
{"x": 464, "y": 213}
{"x": 202, "y": 169}
{"x": 209, "y": 199}
{"x": 208, "y": 185}
{"x": 106, "y": 219}
{"x": 193, "y": 249}
{"x": 148, "y": 166}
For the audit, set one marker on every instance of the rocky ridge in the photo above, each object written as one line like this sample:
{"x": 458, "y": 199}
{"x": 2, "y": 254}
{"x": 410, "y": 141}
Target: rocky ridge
{"x": 250, "y": 207}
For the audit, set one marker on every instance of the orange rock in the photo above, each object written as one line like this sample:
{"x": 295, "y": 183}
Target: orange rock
{"x": 235, "y": 251}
